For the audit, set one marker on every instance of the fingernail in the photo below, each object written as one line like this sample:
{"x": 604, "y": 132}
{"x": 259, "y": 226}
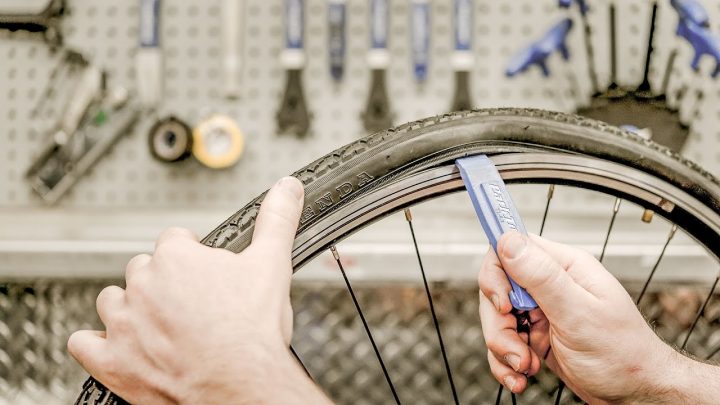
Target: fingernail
{"x": 496, "y": 301}
{"x": 509, "y": 382}
{"x": 513, "y": 360}
{"x": 514, "y": 245}
{"x": 292, "y": 186}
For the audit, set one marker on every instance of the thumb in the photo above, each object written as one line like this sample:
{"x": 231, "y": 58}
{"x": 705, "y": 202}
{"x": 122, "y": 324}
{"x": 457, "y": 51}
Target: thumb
{"x": 279, "y": 215}
{"x": 541, "y": 275}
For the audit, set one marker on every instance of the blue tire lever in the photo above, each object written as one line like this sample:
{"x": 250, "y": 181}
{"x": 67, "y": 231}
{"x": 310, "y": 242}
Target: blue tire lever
{"x": 496, "y": 211}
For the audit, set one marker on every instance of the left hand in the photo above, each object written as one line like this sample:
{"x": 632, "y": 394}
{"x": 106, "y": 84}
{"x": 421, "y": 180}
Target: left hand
{"x": 203, "y": 325}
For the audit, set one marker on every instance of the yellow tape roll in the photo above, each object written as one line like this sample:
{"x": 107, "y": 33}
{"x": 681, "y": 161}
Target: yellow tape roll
{"x": 218, "y": 142}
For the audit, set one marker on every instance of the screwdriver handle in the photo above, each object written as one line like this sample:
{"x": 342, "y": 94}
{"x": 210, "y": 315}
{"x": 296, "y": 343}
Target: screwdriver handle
{"x": 496, "y": 211}
{"x": 420, "y": 42}
{"x": 336, "y": 38}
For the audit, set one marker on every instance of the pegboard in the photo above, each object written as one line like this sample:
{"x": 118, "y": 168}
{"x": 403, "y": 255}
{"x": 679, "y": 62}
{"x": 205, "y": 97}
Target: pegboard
{"x": 129, "y": 181}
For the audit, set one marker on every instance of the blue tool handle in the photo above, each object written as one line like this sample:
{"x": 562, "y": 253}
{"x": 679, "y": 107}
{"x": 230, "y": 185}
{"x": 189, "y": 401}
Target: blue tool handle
{"x": 463, "y": 25}
{"x": 336, "y": 38}
{"x": 691, "y": 11}
{"x": 496, "y": 211}
{"x": 538, "y": 52}
{"x": 379, "y": 15}
{"x": 420, "y": 24}
{"x": 294, "y": 15}
{"x": 149, "y": 23}
{"x": 582, "y": 5}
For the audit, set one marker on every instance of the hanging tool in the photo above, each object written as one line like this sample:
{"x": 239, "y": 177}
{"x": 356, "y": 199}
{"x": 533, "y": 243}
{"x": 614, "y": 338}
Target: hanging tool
{"x": 377, "y": 115}
{"x": 538, "y": 52}
{"x": 170, "y": 140}
{"x": 691, "y": 11}
{"x": 420, "y": 38}
{"x": 293, "y": 115}
{"x": 218, "y": 142}
{"x": 67, "y": 158}
{"x": 703, "y": 42}
{"x": 644, "y": 90}
{"x": 613, "y": 90}
{"x": 74, "y": 86}
{"x": 589, "y": 50}
{"x": 336, "y": 38}
{"x": 148, "y": 61}
{"x": 582, "y": 5}
{"x": 496, "y": 211}
{"x": 37, "y": 17}
{"x": 462, "y": 60}
{"x": 233, "y": 14}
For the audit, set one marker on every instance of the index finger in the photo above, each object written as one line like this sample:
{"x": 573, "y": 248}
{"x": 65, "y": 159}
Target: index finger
{"x": 494, "y": 283}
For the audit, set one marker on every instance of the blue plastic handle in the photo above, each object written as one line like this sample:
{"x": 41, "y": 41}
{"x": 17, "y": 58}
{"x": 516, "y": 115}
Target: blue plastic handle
{"x": 581, "y": 4}
{"x": 149, "y": 23}
{"x": 538, "y": 52}
{"x": 691, "y": 11}
{"x": 496, "y": 211}
{"x": 420, "y": 23}
{"x": 294, "y": 11}
{"x": 463, "y": 13}
{"x": 379, "y": 14}
{"x": 336, "y": 39}
{"x": 703, "y": 42}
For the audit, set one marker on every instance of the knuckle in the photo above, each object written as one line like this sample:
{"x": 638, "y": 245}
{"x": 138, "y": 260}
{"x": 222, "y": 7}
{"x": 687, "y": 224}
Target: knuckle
{"x": 119, "y": 321}
{"x": 493, "y": 343}
{"x": 106, "y": 296}
{"x": 137, "y": 284}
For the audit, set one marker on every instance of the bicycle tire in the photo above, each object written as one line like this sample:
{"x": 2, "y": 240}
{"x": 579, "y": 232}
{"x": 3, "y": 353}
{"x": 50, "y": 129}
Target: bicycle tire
{"x": 369, "y": 163}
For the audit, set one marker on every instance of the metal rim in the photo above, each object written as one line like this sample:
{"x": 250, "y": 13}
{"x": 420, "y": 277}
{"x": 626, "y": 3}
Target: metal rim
{"x": 542, "y": 167}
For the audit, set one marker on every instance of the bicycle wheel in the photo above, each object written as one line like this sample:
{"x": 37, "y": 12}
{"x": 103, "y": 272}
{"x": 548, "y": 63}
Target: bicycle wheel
{"x": 394, "y": 169}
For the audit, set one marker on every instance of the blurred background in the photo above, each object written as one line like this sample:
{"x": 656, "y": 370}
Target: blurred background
{"x": 121, "y": 118}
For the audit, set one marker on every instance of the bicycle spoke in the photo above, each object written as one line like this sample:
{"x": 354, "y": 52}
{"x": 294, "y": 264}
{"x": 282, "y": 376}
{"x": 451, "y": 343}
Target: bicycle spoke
{"x": 336, "y": 255}
{"x": 551, "y": 191}
{"x": 657, "y": 264}
{"x": 616, "y": 208}
{"x": 499, "y": 395}
{"x": 294, "y": 353}
{"x": 700, "y": 312}
{"x": 408, "y": 217}
{"x": 561, "y": 388}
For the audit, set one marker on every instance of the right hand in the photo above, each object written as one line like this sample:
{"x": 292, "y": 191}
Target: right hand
{"x": 597, "y": 341}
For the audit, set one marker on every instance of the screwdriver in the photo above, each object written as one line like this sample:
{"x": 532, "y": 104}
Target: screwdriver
{"x": 462, "y": 59}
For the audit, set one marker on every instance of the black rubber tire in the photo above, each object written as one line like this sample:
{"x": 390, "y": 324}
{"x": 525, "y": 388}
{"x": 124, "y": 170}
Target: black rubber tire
{"x": 368, "y": 162}
{"x": 365, "y": 163}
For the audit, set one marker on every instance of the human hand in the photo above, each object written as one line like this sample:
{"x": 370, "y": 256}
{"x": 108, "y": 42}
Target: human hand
{"x": 597, "y": 341}
{"x": 201, "y": 325}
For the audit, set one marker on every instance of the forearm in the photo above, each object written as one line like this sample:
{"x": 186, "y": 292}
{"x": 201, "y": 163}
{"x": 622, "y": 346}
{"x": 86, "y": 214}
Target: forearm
{"x": 269, "y": 378}
{"x": 685, "y": 380}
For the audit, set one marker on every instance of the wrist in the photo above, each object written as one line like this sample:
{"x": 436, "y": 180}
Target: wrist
{"x": 248, "y": 374}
